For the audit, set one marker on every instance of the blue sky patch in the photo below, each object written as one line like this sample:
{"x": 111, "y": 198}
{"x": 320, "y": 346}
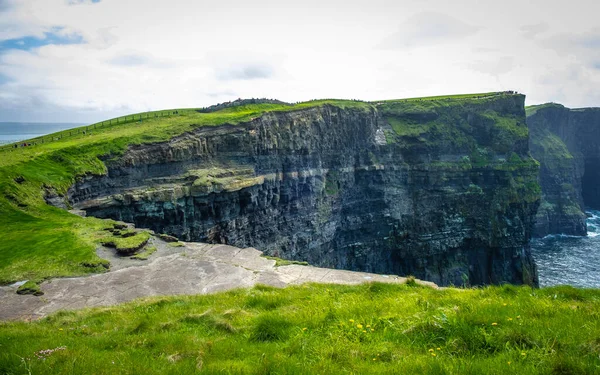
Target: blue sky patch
{"x": 4, "y": 79}
{"x": 30, "y": 42}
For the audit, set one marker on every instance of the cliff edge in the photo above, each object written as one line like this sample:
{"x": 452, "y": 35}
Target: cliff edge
{"x": 441, "y": 188}
{"x": 565, "y": 142}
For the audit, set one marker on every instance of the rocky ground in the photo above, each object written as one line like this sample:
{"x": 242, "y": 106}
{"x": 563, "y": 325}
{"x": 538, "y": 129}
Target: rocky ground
{"x": 195, "y": 268}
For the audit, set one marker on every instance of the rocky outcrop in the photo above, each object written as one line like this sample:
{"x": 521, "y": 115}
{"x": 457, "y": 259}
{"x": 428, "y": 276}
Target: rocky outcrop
{"x": 444, "y": 189}
{"x": 566, "y": 142}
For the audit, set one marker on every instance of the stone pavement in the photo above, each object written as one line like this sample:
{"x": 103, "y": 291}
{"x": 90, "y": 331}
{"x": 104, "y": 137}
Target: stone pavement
{"x": 195, "y": 268}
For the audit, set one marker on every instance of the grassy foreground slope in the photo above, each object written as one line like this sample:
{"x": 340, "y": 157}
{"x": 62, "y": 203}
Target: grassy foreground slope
{"x": 320, "y": 329}
{"x": 40, "y": 241}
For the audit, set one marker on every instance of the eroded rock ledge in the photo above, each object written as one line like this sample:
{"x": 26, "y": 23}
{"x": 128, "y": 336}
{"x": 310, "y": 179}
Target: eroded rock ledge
{"x": 442, "y": 190}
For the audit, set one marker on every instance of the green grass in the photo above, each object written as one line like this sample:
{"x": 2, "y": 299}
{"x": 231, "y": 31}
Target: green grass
{"x": 320, "y": 329}
{"x": 125, "y": 243}
{"x": 30, "y": 287}
{"x": 145, "y": 254}
{"x": 532, "y": 109}
{"x": 483, "y": 95}
{"x": 549, "y": 148}
{"x": 284, "y": 262}
{"x": 441, "y": 124}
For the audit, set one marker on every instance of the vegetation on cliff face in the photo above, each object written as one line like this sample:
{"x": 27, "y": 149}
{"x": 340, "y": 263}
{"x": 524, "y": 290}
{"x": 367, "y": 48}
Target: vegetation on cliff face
{"x": 320, "y": 329}
{"x": 41, "y": 241}
{"x": 458, "y": 122}
{"x": 562, "y": 168}
{"x": 532, "y": 109}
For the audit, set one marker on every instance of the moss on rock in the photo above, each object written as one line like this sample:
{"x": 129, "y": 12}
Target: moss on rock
{"x": 30, "y": 287}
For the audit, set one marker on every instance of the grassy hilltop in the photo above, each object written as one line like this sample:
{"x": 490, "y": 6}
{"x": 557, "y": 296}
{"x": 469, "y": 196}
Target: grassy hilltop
{"x": 40, "y": 241}
{"x": 320, "y": 329}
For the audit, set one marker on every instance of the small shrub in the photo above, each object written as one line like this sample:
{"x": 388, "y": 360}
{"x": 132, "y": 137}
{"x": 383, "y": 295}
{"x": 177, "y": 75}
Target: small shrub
{"x": 167, "y": 238}
{"x": 30, "y": 287}
{"x": 269, "y": 328}
{"x": 144, "y": 255}
{"x": 285, "y": 262}
{"x": 266, "y": 301}
{"x": 411, "y": 281}
{"x": 379, "y": 288}
{"x": 514, "y": 158}
{"x": 127, "y": 245}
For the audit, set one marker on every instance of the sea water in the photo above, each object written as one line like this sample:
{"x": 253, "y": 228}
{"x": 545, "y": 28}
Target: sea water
{"x": 19, "y": 131}
{"x": 570, "y": 260}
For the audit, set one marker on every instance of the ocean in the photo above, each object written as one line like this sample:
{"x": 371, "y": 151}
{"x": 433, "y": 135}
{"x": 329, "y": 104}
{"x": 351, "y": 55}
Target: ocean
{"x": 570, "y": 260}
{"x": 19, "y": 131}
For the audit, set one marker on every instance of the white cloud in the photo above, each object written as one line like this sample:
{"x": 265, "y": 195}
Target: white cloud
{"x": 494, "y": 66}
{"x": 147, "y": 54}
{"x": 585, "y": 46}
{"x": 429, "y": 28}
{"x": 531, "y": 31}
{"x": 245, "y": 72}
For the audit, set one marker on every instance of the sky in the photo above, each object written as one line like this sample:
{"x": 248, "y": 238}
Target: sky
{"x": 89, "y": 60}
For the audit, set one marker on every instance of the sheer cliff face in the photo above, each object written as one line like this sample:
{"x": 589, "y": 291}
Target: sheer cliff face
{"x": 567, "y": 144}
{"x": 442, "y": 190}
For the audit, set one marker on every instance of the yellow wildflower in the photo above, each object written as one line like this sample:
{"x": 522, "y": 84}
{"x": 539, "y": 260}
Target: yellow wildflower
{"x": 509, "y": 319}
{"x": 439, "y": 348}
{"x": 368, "y": 326}
{"x": 494, "y": 324}
{"x": 304, "y": 329}
{"x": 430, "y": 350}
{"x": 433, "y": 354}
{"x": 523, "y": 354}
{"x": 351, "y": 320}
{"x": 359, "y": 326}
{"x": 509, "y": 363}
{"x": 364, "y": 331}
{"x": 504, "y": 304}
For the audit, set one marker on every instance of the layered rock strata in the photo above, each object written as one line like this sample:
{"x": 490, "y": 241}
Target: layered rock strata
{"x": 444, "y": 190}
{"x": 567, "y": 144}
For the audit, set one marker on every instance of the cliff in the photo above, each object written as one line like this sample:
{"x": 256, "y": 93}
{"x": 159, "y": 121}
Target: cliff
{"x": 565, "y": 142}
{"x": 443, "y": 188}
